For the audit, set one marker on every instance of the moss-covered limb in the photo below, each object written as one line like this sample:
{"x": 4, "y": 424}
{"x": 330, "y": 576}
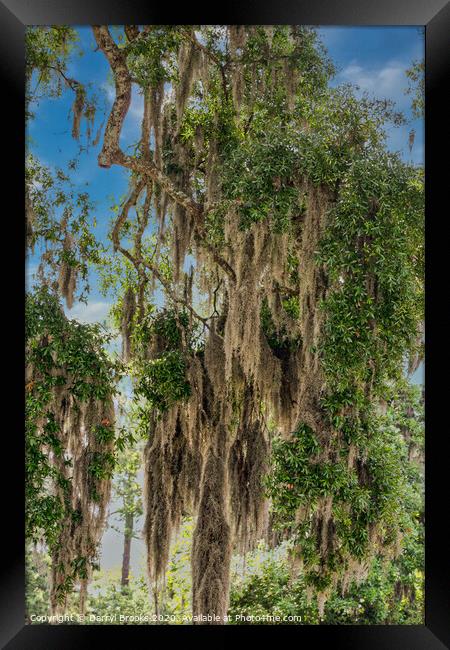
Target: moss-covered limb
{"x": 148, "y": 168}
{"x": 212, "y": 540}
{"x": 247, "y": 468}
{"x": 111, "y": 152}
{"x": 170, "y": 379}
{"x": 70, "y": 441}
{"x": 186, "y": 471}
{"x": 213, "y": 56}
{"x": 134, "y": 304}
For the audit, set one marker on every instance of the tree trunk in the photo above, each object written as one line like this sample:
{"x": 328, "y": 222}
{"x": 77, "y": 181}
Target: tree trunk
{"x": 129, "y": 522}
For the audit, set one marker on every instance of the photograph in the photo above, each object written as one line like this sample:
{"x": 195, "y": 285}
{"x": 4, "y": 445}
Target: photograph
{"x": 225, "y": 325}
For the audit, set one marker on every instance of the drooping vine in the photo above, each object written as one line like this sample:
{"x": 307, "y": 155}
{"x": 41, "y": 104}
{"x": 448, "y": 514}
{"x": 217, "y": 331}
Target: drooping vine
{"x": 70, "y": 442}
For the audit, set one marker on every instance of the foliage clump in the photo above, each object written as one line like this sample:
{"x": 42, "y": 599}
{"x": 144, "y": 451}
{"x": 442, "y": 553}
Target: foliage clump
{"x": 344, "y": 506}
{"x": 70, "y": 441}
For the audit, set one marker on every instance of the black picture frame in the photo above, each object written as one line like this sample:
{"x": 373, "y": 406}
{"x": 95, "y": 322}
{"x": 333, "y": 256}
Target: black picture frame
{"x": 15, "y": 15}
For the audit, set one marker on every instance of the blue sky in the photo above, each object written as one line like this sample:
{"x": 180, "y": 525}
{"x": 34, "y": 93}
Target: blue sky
{"x": 373, "y": 58}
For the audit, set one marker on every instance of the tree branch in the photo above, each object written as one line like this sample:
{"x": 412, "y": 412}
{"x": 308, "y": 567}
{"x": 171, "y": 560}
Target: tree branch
{"x": 132, "y": 32}
{"x": 72, "y": 83}
{"x": 111, "y": 152}
{"x": 123, "y": 216}
{"x": 138, "y": 260}
{"x": 117, "y": 60}
{"x": 147, "y": 167}
{"x": 171, "y": 293}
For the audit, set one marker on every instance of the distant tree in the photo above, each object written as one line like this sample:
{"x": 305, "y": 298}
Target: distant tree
{"x": 127, "y": 489}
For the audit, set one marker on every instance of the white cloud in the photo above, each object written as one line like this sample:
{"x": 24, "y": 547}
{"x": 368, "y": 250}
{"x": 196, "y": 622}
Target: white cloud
{"x": 389, "y": 81}
{"x": 93, "y": 312}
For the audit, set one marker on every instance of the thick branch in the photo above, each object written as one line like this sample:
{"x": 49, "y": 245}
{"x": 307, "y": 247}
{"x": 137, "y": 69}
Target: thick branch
{"x": 131, "y": 31}
{"x": 72, "y": 83}
{"x": 147, "y": 167}
{"x": 140, "y": 36}
{"x": 130, "y": 203}
{"x": 122, "y": 78}
{"x": 146, "y": 125}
